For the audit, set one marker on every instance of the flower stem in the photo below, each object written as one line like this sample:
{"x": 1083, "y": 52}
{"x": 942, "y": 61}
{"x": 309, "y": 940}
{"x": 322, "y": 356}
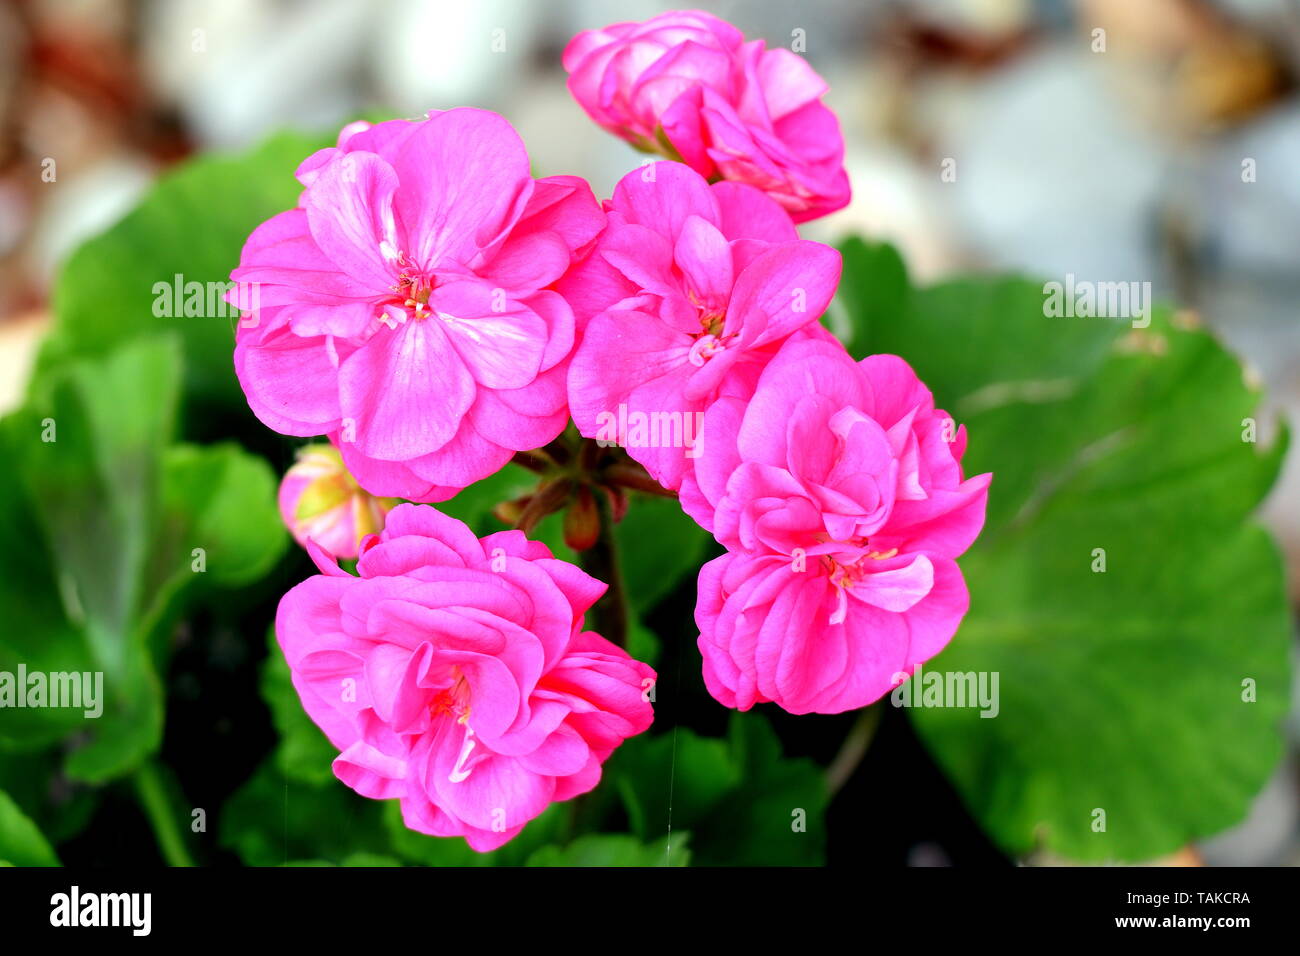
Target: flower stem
{"x": 853, "y": 749}
{"x": 162, "y": 816}
{"x": 601, "y": 562}
{"x": 625, "y": 475}
{"x": 535, "y": 461}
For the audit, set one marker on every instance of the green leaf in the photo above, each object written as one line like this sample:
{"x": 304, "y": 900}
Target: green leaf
{"x": 60, "y": 808}
{"x": 776, "y": 816}
{"x": 105, "y": 517}
{"x": 643, "y": 644}
{"x": 95, "y": 484}
{"x": 192, "y": 224}
{"x": 93, "y": 490}
{"x": 671, "y": 780}
{"x": 274, "y": 819}
{"x": 37, "y": 630}
{"x": 970, "y": 334}
{"x": 305, "y": 753}
{"x": 744, "y": 802}
{"x": 21, "y": 844}
{"x": 658, "y": 545}
{"x": 872, "y": 294}
{"x": 222, "y": 499}
{"x": 356, "y": 859}
{"x": 1120, "y": 691}
{"x": 599, "y": 849}
{"x": 370, "y": 860}
{"x": 219, "y": 528}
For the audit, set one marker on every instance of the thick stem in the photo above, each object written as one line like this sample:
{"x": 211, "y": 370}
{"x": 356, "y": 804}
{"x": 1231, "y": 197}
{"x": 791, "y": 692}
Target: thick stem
{"x": 548, "y": 500}
{"x": 601, "y": 562}
{"x": 535, "y": 461}
{"x": 162, "y": 816}
{"x": 627, "y": 475}
{"x": 853, "y": 749}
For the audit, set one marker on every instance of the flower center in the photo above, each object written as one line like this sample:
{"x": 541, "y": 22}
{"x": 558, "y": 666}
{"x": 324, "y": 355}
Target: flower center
{"x": 712, "y": 317}
{"x": 845, "y": 575}
{"x": 705, "y": 347}
{"x": 410, "y": 296}
{"x": 453, "y": 701}
{"x": 412, "y": 292}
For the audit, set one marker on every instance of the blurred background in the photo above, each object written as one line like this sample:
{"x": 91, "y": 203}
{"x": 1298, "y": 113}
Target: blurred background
{"x": 1116, "y": 140}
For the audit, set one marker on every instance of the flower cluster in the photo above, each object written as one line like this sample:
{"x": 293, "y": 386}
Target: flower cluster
{"x": 688, "y": 85}
{"x": 689, "y": 284}
{"x": 837, "y": 488}
{"x": 435, "y": 310}
{"x": 404, "y": 308}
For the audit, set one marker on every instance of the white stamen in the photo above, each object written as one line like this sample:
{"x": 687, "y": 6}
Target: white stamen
{"x": 459, "y": 773}
{"x": 841, "y": 609}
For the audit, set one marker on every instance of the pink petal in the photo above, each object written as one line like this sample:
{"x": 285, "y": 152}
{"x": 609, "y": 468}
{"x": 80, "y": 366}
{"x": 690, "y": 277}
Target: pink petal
{"x": 350, "y": 214}
{"x": 663, "y": 196}
{"x": 390, "y": 478}
{"x": 703, "y": 255}
{"x": 897, "y": 589}
{"x": 748, "y": 213}
{"x": 370, "y": 772}
{"x": 789, "y": 286}
{"x": 788, "y": 81}
{"x": 620, "y": 352}
{"x": 499, "y": 340}
{"x": 526, "y": 263}
{"x": 467, "y": 457}
{"x": 291, "y": 383}
{"x": 465, "y": 180}
{"x": 406, "y": 390}
{"x": 563, "y": 205}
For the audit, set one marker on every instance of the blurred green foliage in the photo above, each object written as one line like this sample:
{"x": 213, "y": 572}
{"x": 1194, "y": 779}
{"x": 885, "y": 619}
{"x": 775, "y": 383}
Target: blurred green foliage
{"x": 114, "y": 529}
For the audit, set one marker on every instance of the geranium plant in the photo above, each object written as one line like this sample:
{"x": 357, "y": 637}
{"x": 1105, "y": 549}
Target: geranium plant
{"x": 578, "y": 480}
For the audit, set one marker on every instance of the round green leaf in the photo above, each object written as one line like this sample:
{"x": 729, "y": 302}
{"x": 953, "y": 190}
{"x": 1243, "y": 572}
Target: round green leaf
{"x": 21, "y": 844}
{"x": 1132, "y": 609}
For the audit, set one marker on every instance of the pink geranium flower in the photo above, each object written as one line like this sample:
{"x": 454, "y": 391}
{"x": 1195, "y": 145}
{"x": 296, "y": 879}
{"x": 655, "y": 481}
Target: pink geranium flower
{"x": 838, "y": 488}
{"x": 453, "y": 675}
{"x": 688, "y": 284}
{"x": 404, "y": 307}
{"x": 688, "y": 85}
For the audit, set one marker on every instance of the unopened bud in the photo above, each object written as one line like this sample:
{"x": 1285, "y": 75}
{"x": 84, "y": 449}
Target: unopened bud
{"x": 582, "y": 521}
{"x": 319, "y": 499}
{"x": 508, "y": 512}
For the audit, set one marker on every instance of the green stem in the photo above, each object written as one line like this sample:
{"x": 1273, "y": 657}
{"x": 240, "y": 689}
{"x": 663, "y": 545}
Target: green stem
{"x": 162, "y": 816}
{"x": 601, "y": 562}
{"x": 853, "y": 749}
